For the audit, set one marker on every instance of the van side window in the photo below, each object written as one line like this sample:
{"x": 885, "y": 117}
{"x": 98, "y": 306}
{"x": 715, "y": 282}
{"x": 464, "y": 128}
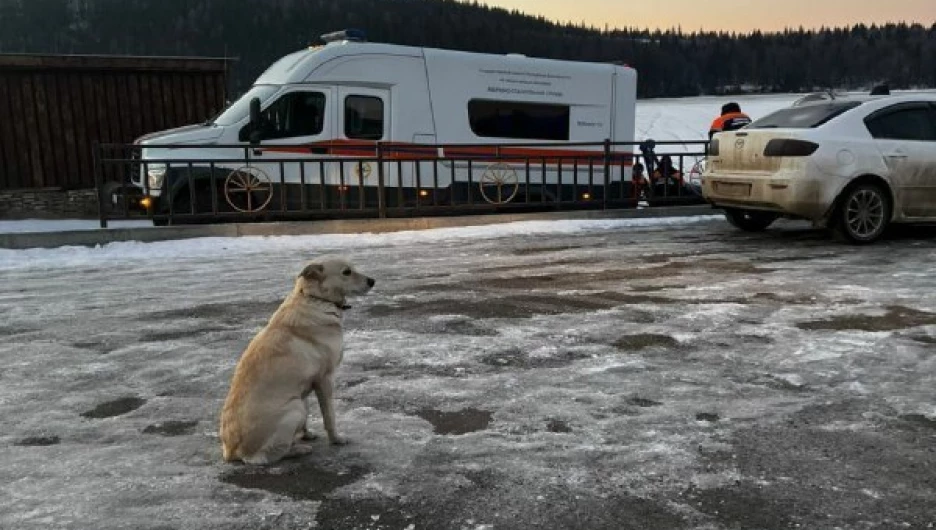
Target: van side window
{"x": 916, "y": 122}
{"x": 509, "y": 119}
{"x": 364, "y": 117}
{"x": 293, "y": 115}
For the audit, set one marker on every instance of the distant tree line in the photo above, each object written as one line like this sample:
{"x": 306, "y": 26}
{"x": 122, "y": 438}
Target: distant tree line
{"x": 670, "y": 63}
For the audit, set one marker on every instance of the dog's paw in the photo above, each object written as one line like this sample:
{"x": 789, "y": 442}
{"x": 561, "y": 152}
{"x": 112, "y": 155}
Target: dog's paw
{"x": 338, "y": 440}
{"x": 300, "y": 450}
{"x": 309, "y": 437}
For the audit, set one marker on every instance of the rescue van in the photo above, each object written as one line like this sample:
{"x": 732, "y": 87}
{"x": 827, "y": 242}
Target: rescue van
{"x": 315, "y": 119}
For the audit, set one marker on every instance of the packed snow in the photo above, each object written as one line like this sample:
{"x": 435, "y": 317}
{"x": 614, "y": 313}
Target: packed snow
{"x": 21, "y": 226}
{"x": 222, "y": 247}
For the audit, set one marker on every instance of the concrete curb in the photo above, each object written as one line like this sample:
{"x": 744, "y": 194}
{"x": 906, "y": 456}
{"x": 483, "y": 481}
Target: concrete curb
{"x": 18, "y": 241}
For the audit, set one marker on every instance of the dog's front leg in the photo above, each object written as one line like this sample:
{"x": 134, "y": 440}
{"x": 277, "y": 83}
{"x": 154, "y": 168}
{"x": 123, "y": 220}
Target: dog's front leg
{"x": 304, "y": 435}
{"x": 325, "y": 392}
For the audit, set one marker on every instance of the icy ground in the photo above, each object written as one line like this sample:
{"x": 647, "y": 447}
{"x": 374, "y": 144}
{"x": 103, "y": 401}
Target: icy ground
{"x": 570, "y": 375}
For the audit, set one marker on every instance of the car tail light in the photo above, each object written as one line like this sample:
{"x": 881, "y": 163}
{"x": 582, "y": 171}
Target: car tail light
{"x": 789, "y": 147}
{"x": 713, "y": 147}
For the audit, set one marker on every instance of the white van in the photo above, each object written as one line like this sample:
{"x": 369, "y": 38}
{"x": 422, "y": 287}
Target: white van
{"x": 312, "y": 117}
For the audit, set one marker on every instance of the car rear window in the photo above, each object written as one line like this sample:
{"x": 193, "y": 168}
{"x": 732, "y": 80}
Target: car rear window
{"x": 805, "y": 117}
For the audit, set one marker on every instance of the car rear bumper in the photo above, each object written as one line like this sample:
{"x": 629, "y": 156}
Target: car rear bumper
{"x": 792, "y": 194}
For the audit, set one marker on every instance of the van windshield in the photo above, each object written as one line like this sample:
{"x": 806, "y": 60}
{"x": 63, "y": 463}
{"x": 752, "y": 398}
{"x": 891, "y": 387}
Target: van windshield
{"x": 241, "y": 108}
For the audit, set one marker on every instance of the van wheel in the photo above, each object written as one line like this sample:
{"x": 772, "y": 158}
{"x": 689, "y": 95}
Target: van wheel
{"x": 182, "y": 205}
{"x": 863, "y": 214}
{"x": 750, "y": 221}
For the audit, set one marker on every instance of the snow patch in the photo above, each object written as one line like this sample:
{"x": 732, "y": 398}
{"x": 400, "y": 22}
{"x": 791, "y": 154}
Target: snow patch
{"x": 218, "y": 247}
{"x": 23, "y": 226}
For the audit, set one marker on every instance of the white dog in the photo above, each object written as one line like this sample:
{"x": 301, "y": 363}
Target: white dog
{"x": 265, "y": 413}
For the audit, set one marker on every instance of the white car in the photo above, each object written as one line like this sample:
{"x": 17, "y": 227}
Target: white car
{"x": 852, "y": 164}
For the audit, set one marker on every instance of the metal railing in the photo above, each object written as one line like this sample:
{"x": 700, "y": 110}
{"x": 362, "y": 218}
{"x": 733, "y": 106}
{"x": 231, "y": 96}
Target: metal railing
{"x": 181, "y": 184}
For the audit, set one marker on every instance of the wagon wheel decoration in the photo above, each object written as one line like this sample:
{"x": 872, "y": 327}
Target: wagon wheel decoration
{"x": 248, "y": 189}
{"x": 499, "y": 184}
{"x": 362, "y": 170}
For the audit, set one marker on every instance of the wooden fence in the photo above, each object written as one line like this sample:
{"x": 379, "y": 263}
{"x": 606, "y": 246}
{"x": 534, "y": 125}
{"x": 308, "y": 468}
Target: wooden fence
{"x": 54, "y": 109}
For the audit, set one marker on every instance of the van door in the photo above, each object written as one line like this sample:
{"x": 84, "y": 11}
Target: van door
{"x": 296, "y": 125}
{"x": 364, "y": 120}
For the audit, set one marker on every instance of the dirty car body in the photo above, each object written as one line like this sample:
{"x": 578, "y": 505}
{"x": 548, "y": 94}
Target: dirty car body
{"x": 853, "y": 164}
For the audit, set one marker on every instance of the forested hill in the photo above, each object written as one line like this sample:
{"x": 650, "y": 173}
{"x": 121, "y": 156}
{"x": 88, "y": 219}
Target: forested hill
{"x": 670, "y": 63}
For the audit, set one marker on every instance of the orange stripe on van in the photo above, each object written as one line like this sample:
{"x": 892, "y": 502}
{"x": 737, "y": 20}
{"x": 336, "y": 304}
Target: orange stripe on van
{"x": 410, "y": 151}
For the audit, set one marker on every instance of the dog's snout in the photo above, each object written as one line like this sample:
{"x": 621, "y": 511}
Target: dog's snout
{"x": 371, "y": 282}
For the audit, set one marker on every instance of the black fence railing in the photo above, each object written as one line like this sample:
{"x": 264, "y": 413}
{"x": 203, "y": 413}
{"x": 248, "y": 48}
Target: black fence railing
{"x": 182, "y": 184}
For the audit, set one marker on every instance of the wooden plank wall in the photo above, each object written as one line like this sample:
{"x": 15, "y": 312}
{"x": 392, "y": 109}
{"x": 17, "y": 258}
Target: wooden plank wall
{"x": 55, "y": 109}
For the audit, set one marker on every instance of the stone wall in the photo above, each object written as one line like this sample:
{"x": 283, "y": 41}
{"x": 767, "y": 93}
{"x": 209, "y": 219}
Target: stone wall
{"x": 19, "y": 204}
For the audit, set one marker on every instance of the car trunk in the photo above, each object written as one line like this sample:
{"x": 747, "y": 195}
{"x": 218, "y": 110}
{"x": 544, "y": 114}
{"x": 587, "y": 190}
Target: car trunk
{"x": 743, "y": 152}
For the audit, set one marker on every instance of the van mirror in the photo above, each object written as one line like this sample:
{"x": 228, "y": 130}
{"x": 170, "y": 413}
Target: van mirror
{"x": 255, "y": 111}
{"x": 255, "y": 119}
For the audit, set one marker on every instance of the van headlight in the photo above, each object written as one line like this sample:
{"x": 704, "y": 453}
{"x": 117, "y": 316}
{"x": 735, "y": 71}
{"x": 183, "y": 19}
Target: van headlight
{"x": 155, "y": 173}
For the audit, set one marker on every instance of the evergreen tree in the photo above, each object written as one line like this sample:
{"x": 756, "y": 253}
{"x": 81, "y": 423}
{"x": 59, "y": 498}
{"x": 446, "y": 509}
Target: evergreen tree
{"x": 670, "y": 63}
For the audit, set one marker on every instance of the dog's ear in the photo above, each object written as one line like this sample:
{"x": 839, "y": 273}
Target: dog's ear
{"x": 314, "y": 271}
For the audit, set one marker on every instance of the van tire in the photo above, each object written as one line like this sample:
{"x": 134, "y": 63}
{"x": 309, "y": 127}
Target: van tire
{"x": 750, "y": 220}
{"x": 863, "y": 214}
{"x": 182, "y": 204}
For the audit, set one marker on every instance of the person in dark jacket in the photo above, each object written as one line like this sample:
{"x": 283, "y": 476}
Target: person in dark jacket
{"x": 666, "y": 178}
{"x": 731, "y": 119}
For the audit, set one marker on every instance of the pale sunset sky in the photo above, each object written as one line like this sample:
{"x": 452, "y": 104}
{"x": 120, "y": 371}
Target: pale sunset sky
{"x": 729, "y": 15}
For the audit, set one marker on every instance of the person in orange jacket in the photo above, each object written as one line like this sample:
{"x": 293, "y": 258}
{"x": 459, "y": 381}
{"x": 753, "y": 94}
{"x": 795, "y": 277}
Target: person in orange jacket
{"x": 731, "y": 119}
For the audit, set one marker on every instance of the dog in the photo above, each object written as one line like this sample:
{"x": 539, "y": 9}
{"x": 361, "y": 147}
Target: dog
{"x": 296, "y": 353}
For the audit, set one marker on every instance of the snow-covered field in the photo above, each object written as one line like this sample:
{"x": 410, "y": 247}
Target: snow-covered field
{"x": 683, "y": 119}
{"x": 569, "y": 375}
{"x": 690, "y": 118}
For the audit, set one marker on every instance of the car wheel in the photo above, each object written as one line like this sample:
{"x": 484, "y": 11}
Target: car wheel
{"x": 750, "y": 221}
{"x": 863, "y": 214}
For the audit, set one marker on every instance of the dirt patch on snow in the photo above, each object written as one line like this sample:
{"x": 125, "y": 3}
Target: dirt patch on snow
{"x": 896, "y": 318}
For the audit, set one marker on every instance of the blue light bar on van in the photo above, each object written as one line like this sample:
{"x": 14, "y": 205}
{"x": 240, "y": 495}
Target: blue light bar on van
{"x": 353, "y": 35}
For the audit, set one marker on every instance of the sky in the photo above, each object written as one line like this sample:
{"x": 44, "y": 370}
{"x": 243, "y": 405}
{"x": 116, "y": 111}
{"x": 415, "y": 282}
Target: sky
{"x": 729, "y": 15}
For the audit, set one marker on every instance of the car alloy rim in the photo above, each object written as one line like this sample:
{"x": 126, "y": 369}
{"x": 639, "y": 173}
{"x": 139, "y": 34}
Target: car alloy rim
{"x": 865, "y": 213}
